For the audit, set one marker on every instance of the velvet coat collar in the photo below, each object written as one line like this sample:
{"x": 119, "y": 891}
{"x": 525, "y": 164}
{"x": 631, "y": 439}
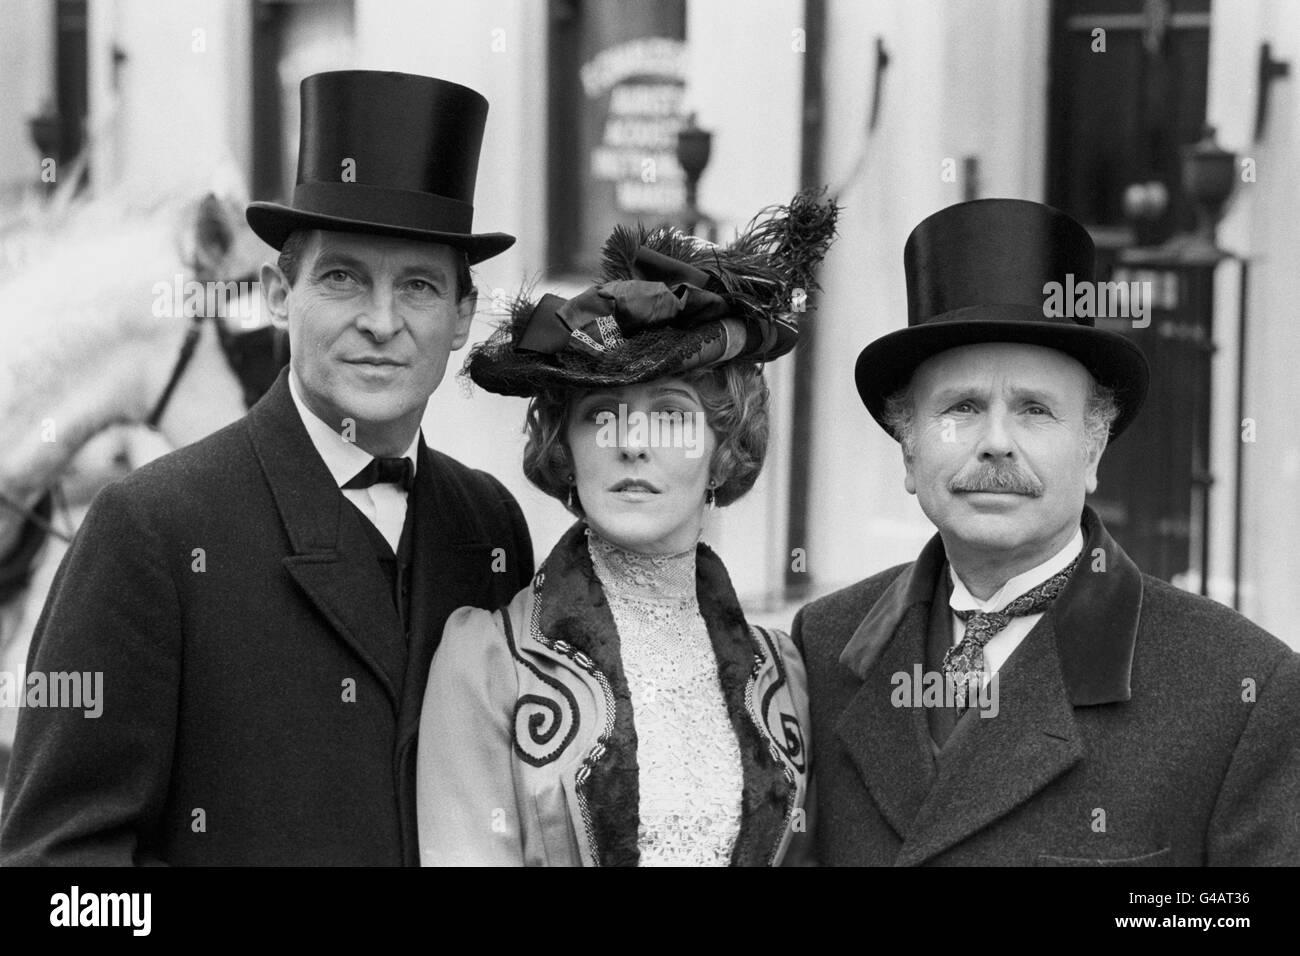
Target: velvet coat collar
{"x": 1095, "y": 619}
{"x": 571, "y": 607}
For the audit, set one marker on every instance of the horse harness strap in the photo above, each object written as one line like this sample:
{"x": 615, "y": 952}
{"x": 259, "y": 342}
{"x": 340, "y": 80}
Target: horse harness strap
{"x": 255, "y": 357}
{"x": 37, "y": 523}
{"x": 182, "y": 363}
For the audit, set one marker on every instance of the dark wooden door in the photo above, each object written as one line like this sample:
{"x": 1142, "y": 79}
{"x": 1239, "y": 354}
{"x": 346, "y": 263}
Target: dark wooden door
{"x": 1119, "y": 117}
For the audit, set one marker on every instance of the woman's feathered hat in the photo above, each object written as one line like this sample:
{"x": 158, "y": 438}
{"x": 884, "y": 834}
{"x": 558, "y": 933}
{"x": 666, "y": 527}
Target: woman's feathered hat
{"x": 666, "y": 303}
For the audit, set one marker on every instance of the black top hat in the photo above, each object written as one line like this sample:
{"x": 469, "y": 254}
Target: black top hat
{"x": 386, "y": 153}
{"x": 976, "y": 272}
{"x": 666, "y": 303}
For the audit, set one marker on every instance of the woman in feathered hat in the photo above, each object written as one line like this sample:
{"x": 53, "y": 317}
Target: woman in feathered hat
{"x": 620, "y": 711}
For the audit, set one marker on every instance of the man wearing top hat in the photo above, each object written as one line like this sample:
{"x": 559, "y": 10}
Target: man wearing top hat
{"x": 263, "y": 605}
{"x": 1090, "y": 715}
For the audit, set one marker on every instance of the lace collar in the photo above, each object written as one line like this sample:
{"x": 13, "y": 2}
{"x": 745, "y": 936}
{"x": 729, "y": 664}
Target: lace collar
{"x": 648, "y": 577}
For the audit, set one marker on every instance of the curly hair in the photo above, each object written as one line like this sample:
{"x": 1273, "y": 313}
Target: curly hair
{"x": 735, "y": 401}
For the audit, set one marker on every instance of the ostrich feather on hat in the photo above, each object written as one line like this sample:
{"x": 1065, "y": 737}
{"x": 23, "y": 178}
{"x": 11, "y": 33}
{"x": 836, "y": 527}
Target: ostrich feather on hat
{"x": 666, "y": 303}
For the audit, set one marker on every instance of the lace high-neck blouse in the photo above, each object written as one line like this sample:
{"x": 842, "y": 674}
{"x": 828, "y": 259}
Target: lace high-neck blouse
{"x": 690, "y": 774}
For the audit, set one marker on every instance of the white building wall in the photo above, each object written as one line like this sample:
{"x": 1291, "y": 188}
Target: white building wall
{"x": 180, "y": 108}
{"x": 963, "y": 79}
{"x": 1262, "y": 223}
{"x": 746, "y": 85}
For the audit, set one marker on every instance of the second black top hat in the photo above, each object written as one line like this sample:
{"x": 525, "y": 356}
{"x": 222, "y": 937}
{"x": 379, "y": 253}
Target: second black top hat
{"x": 978, "y": 272}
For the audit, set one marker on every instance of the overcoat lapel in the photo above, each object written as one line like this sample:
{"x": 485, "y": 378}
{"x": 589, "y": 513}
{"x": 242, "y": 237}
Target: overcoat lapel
{"x": 451, "y": 567}
{"x": 889, "y": 745}
{"x": 990, "y": 765}
{"x": 332, "y": 560}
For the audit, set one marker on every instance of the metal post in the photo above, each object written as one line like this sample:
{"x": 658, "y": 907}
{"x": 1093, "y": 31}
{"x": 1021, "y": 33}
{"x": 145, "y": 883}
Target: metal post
{"x": 1241, "y": 446}
{"x": 805, "y": 367}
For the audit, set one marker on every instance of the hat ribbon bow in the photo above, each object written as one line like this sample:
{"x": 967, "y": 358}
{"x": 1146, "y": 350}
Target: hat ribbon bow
{"x": 665, "y": 292}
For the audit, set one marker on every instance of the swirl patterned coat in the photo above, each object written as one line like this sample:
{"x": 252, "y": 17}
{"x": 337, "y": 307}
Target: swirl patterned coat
{"x": 527, "y": 749}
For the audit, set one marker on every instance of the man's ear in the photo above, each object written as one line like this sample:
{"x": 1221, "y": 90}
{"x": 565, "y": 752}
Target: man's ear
{"x": 275, "y": 294}
{"x": 1091, "y": 463}
{"x": 909, "y": 475}
{"x": 465, "y": 310}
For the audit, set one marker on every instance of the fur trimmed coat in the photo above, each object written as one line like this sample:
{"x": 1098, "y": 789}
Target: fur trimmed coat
{"x": 528, "y": 748}
{"x": 1138, "y": 725}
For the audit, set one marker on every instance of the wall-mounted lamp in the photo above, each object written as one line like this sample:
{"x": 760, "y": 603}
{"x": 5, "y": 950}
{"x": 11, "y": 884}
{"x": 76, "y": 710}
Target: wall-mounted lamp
{"x": 878, "y": 83}
{"x": 693, "y": 148}
{"x": 1269, "y": 70}
{"x": 1209, "y": 173}
{"x": 119, "y": 63}
{"x": 46, "y": 131}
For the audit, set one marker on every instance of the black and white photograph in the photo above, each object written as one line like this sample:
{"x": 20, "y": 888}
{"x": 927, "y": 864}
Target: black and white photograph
{"x": 688, "y": 433}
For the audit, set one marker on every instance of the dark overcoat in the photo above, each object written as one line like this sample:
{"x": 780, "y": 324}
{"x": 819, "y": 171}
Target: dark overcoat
{"x": 261, "y": 698}
{"x": 1136, "y": 724}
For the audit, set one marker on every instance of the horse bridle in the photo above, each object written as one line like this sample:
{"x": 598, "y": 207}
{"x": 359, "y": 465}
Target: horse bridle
{"x": 182, "y": 362}
{"x": 255, "y": 356}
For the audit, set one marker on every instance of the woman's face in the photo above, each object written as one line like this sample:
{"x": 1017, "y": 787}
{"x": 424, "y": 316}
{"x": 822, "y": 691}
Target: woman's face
{"x": 641, "y": 461}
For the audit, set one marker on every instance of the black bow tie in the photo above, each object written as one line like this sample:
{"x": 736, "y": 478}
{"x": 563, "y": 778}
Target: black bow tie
{"x": 384, "y": 471}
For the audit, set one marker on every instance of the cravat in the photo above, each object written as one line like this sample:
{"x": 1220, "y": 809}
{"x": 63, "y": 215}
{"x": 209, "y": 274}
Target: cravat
{"x": 964, "y": 663}
{"x": 384, "y": 471}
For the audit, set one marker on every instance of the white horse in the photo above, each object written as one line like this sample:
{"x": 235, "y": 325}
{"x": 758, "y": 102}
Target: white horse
{"x": 92, "y": 331}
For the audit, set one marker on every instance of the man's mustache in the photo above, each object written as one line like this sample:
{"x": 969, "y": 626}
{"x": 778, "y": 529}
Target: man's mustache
{"x": 1005, "y": 477}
